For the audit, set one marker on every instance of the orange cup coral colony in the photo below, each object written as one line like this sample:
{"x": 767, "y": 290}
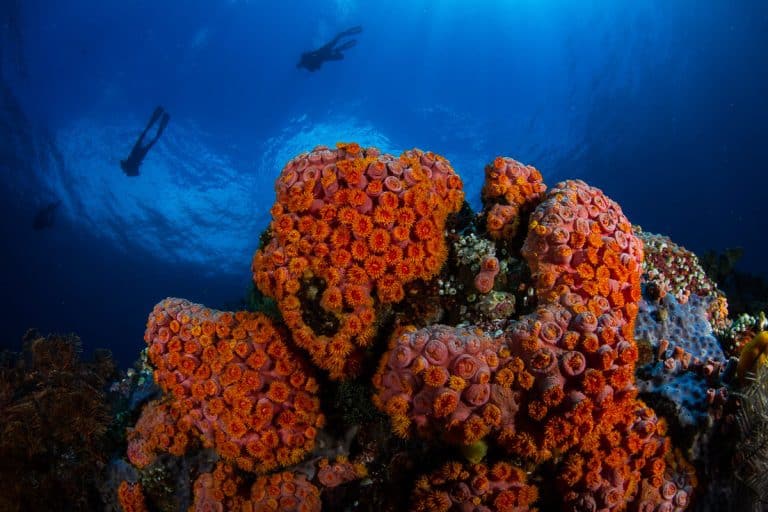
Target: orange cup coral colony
{"x": 559, "y": 381}
{"x": 233, "y": 383}
{"x": 350, "y": 228}
{"x": 510, "y": 191}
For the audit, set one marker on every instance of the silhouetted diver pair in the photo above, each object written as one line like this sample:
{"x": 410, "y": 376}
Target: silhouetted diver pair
{"x": 313, "y": 60}
{"x": 131, "y": 164}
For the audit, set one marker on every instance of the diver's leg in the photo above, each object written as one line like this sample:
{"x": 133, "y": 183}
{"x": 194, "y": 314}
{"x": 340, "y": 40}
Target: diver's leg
{"x": 163, "y": 123}
{"x": 152, "y": 120}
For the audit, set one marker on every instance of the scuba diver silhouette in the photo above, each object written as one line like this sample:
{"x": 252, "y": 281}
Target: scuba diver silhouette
{"x": 312, "y": 61}
{"x": 131, "y": 164}
{"x": 45, "y": 216}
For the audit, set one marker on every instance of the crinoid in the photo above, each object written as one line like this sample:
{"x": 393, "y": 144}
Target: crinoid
{"x": 54, "y": 423}
{"x": 751, "y": 452}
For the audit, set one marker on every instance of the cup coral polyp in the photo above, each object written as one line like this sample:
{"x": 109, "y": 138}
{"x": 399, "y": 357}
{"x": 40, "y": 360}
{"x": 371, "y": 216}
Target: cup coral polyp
{"x": 350, "y": 228}
{"x": 233, "y": 383}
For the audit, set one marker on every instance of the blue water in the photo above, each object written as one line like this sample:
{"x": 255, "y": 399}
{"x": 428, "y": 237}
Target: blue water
{"x": 662, "y": 104}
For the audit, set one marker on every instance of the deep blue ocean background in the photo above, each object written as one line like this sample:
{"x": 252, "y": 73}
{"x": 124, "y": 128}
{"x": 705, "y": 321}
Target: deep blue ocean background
{"x": 661, "y": 104}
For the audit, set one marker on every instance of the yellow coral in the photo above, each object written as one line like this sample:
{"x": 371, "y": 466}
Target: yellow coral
{"x": 753, "y": 355}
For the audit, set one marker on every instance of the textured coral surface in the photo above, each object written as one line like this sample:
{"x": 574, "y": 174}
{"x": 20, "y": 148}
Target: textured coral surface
{"x": 438, "y": 379}
{"x": 454, "y": 486}
{"x": 562, "y": 378}
{"x": 350, "y": 228}
{"x": 510, "y": 189}
{"x": 234, "y": 383}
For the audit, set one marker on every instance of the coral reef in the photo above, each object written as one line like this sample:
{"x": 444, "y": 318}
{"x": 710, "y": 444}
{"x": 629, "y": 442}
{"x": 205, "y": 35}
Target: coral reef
{"x": 516, "y": 340}
{"x": 55, "y": 418}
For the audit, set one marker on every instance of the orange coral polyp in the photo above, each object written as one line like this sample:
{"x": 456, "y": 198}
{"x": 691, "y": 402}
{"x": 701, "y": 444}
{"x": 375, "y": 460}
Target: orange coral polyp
{"x": 340, "y": 237}
{"x": 393, "y": 255}
{"x": 362, "y": 226}
{"x": 389, "y": 200}
{"x": 341, "y": 258}
{"x": 348, "y": 215}
{"x": 405, "y": 217}
{"x": 404, "y": 271}
{"x": 320, "y": 230}
{"x": 359, "y": 250}
{"x": 352, "y": 325}
{"x": 356, "y": 274}
{"x": 383, "y": 215}
{"x": 435, "y": 376}
{"x": 445, "y": 403}
{"x": 367, "y": 315}
{"x": 378, "y": 240}
{"x": 375, "y": 266}
{"x": 278, "y": 392}
{"x": 414, "y": 253}
{"x": 357, "y": 197}
{"x": 375, "y": 188}
{"x": 355, "y": 295}
{"x": 401, "y": 233}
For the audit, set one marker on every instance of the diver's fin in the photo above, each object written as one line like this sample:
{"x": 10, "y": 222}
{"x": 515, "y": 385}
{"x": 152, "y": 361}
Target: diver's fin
{"x": 156, "y": 115}
{"x": 352, "y": 31}
{"x": 346, "y": 46}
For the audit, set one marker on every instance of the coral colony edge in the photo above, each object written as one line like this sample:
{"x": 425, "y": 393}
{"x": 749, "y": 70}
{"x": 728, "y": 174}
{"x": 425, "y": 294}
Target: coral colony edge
{"x": 402, "y": 352}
